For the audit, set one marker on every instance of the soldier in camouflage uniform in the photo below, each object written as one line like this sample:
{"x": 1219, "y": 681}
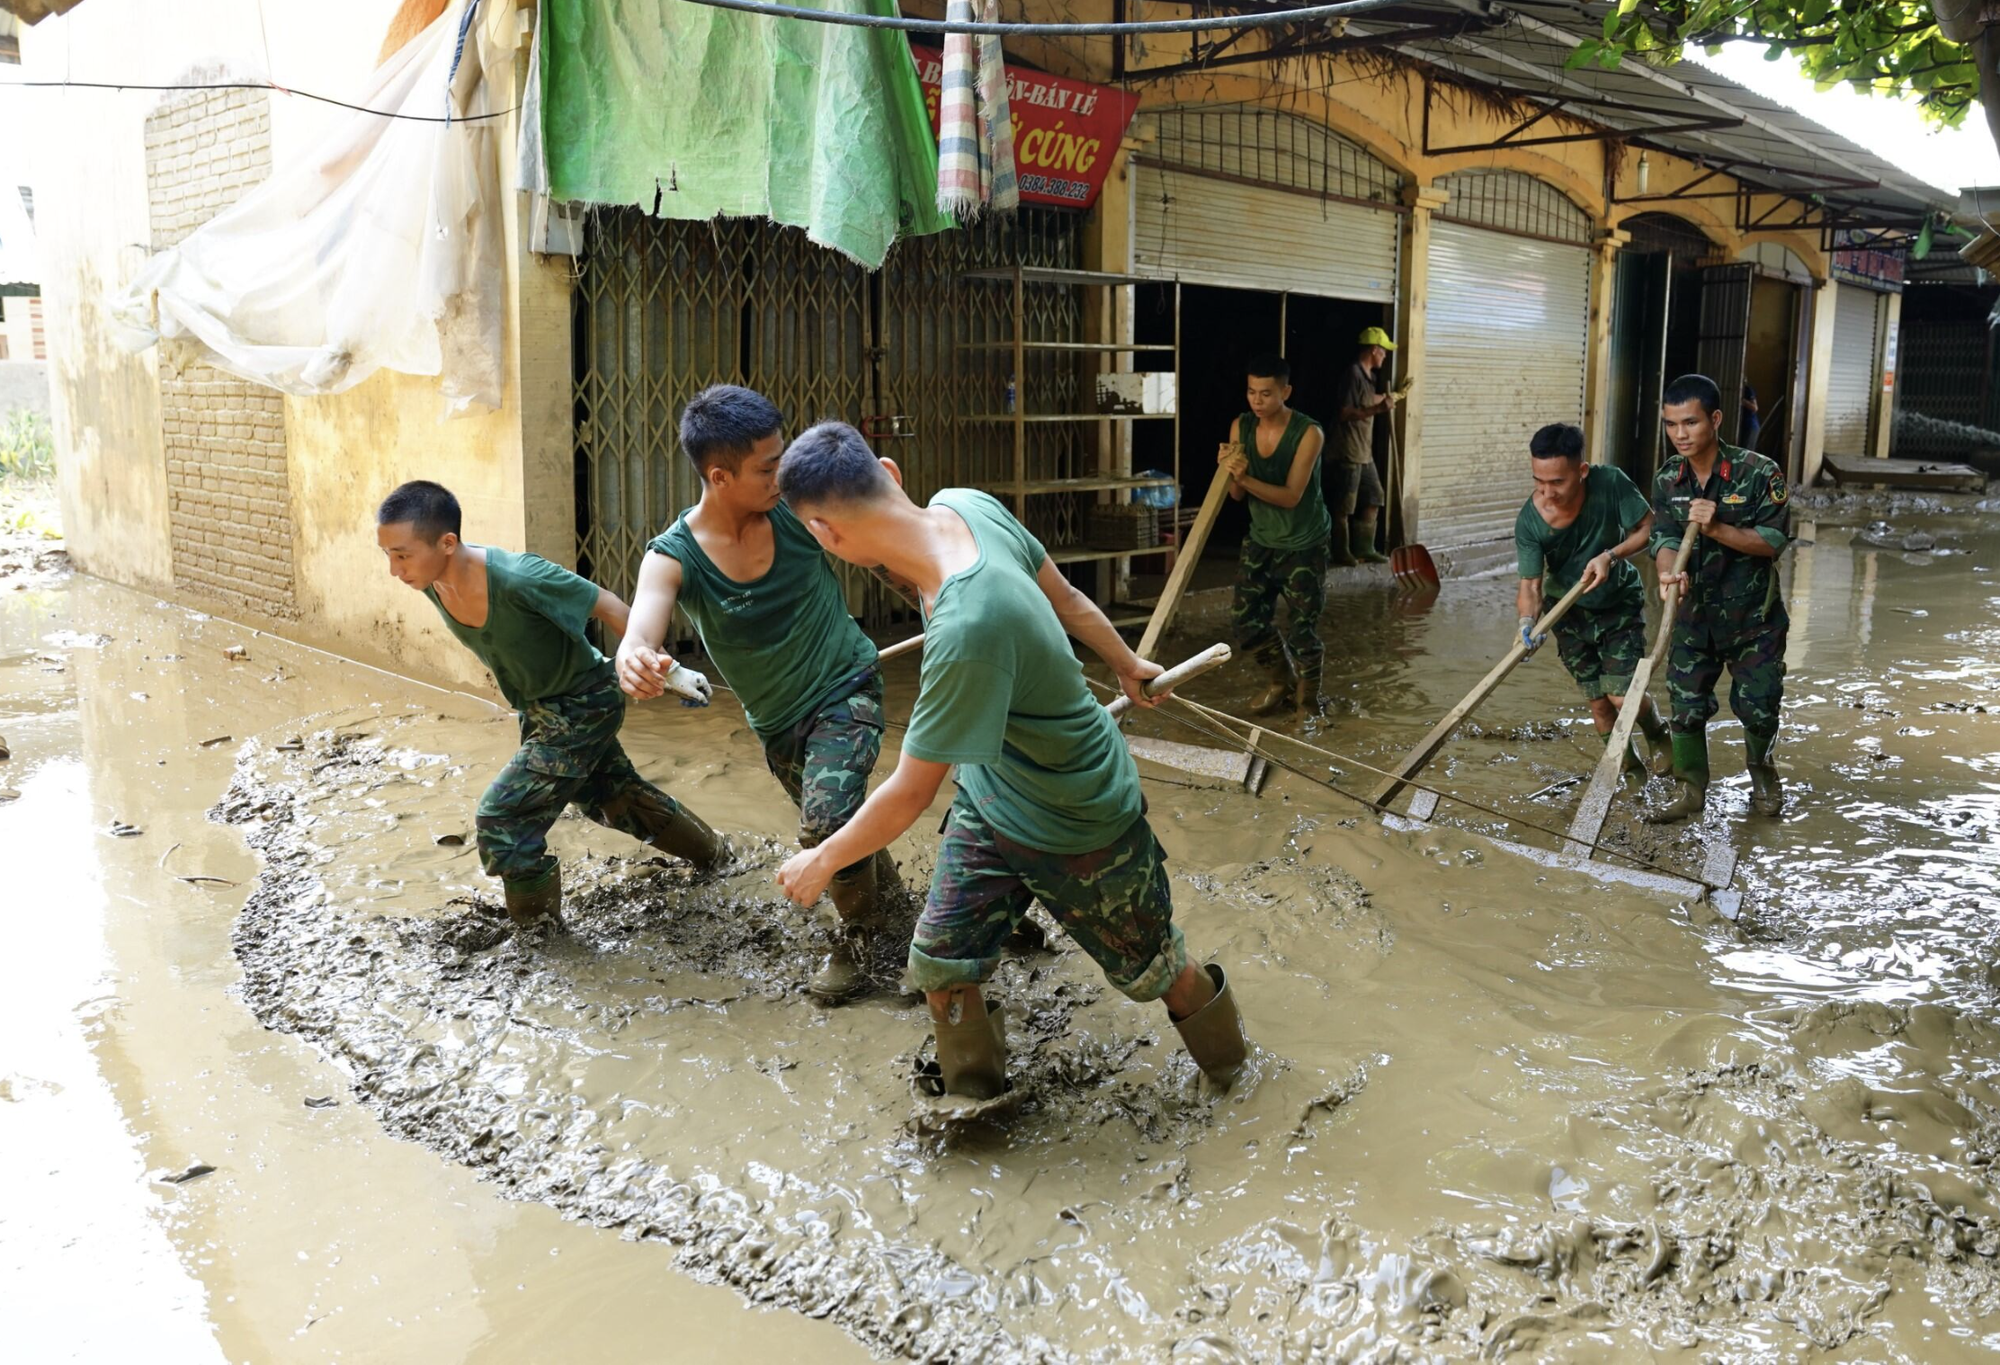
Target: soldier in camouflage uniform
{"x": 525, "y": 619}
{"x": 1731, "y": 614}
{"x": 773, "y": 617}
{"x": 1273, "y": 460}
{"x": 1048, "y": 803}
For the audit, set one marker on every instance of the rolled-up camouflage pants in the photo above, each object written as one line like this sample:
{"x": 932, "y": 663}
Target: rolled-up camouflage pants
{"x": 569, "y": 753}
{"x": 1264, "y": 576}
{"x": 1116, "y": 902}
{"x": 1754, "y": 653}
{"x": 1602, "y": 649}
{"x": 823, "y": 762}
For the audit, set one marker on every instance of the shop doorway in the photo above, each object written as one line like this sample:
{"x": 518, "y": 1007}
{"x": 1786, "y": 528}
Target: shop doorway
{"x": 1656, "y": 333}
{"x": 1769, "y": 362}
{"x": 1221, "y": 329}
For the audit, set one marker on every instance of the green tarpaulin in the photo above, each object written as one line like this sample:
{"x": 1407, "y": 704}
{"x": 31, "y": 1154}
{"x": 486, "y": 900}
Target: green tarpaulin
{"x": 690, "y": 112}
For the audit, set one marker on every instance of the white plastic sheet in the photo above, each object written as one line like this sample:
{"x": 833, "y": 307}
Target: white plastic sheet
{"x": 380, "y": 248}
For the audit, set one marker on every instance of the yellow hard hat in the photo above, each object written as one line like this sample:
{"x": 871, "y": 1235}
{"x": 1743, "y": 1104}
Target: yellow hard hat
{"x": 1375, "y": 336}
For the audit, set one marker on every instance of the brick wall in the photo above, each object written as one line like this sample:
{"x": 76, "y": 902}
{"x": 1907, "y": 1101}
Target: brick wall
{"x": 228, "y": 486}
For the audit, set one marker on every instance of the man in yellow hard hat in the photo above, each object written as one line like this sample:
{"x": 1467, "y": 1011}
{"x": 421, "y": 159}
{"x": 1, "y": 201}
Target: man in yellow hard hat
{"x": 1357, "y": 492}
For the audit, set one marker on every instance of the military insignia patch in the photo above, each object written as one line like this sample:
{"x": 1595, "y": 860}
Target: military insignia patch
{"x": 1780, "y": 490}
{"x": 1733, "y": 498}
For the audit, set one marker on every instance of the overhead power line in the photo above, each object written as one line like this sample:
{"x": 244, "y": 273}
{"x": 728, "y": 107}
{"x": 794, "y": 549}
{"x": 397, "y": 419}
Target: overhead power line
{"x": 1209, "y": 24}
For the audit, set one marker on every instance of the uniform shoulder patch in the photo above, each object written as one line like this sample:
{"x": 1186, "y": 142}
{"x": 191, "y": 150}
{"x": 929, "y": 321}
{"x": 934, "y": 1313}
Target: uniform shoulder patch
{"x": 1780, "y": 490}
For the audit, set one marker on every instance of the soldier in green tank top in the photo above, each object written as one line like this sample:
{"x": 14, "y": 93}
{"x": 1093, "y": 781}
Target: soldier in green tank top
{"x": 1273, "y": 459}
{"x": 773, "y": 619}
{"x": 1048, "y": 806}
{"x": 525, "y": 619}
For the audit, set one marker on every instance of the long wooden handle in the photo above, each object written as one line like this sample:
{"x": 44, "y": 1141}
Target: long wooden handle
{"x": 1672, "y": 603}
{"x": 1186, "y": 556}
{"x": 1173, "y": 677}
{"x": 1427, "y": 748}
{"x": 1595, "y": 805}
{"x": 900, "y": 647}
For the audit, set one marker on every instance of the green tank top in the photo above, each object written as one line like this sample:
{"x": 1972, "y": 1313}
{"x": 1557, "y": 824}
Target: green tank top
{"x": 1304, "y": 527}
{"x": 783, "y": 643}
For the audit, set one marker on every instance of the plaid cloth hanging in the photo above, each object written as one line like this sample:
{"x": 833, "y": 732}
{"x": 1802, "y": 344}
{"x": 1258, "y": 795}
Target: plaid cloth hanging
{"x": 975, "y": 129}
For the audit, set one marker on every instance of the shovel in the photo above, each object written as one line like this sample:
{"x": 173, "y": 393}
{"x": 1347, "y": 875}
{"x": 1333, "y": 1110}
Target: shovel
{"x": 1410, "y": 564}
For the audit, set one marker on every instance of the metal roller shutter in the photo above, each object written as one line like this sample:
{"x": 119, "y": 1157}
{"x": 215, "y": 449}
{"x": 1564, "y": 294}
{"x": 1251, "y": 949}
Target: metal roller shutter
{"x": 1855, "y": 373}
{"x": 1197, "y": 227}
{"x": 1509, "y": 332}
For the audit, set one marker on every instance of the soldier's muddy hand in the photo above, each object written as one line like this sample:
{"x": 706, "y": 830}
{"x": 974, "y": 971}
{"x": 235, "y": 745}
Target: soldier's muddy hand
{"x": 1701, "y": 512}
{"x": 804, "y": 877}
{"x": 1672, "y": 582}
{"x": 642, "y": 670}
{"x": 1133, "y": 678}
{"x": 1234, "y": 459}
{"x": 1597, "y": 571}
{"x": 1530, "y": 642}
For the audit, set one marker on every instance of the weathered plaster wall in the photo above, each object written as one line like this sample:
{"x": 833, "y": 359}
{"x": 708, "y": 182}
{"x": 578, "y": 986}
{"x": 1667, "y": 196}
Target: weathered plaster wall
{"x": 511, "y": 467}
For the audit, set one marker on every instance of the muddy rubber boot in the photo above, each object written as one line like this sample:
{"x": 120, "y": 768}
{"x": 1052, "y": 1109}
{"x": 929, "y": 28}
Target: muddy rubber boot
{"x": 1361, "y": 538}
{"x": 1337, "y": 546}
{"x": 972, "y": 1048}
{"x": 1213, "y": 1034}
{"x": 1691, "y": 772}
{"x": 683, "y": 834}
{"x": 1767, "y": 789}
{"x": 1659, "y": 741}
{"x": 1307, "y": 695}
{"x": 844, "y": 974}
{"x": 534, "y": 901}
{"x": 1284, "y": 687}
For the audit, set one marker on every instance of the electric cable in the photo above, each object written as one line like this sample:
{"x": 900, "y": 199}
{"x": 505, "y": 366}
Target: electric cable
{"x": 263, "y": 85}
{"x": 1211, "y": 23}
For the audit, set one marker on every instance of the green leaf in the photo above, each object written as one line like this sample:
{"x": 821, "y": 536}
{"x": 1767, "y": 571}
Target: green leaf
{"x": 1773, "y": 53}
{"x": 1611, "y": 24}
{"x": 1627, "y": 6}
{"x": 1923, "y": 244}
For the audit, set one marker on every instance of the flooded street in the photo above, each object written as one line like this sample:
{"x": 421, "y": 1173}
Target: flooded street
{"x": 1497, "y": 1109}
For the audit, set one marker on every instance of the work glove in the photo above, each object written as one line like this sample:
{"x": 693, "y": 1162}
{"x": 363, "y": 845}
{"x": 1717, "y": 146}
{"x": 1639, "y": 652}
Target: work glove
{"x": 1530, "y": 642}
{"x": 691, "y": 687}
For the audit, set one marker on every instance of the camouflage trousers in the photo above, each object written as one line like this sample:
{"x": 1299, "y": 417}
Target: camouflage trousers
{"x": 823, "y": 762}
{"x": 569, "y": 753}
{"x": 1754, "y": 653}
{"x": 1116, "y": 903}
{"x": 1266, "y": 575}
{"x": 1602, "y": 649}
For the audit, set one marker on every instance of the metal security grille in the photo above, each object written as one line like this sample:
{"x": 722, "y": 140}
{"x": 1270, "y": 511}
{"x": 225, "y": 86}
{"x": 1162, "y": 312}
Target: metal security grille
{"x": 1669, "y": 234}
{"x": 1945, "y": 366}
{"x": 1512, "y": 202}
{"x": 1725, "y": 333}
{"x": 1272, "y": 148}
{"x": 663, "y": 308}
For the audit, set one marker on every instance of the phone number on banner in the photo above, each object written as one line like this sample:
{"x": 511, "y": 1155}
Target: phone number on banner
{"x": 1078, "y": 190}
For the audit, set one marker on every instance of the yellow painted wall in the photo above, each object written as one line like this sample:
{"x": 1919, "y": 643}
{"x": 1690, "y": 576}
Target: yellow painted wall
{"x": 511, "y": 467}
{"x": 1819, "y": 377}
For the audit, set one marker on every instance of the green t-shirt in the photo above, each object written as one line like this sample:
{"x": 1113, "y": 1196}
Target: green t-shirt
{"x": 1003, "y": 697}
{"x": 1305, "y": 526}
{"x": 784, "y": 642}
{"x": 1612, "y": 506}
{"x": 533, "y": 640}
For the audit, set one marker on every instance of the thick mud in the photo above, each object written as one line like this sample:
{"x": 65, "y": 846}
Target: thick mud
{"x": 1496, "y": 1111}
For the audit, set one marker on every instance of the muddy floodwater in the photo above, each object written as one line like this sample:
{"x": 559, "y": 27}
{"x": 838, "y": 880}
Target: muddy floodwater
{"x": 1497, "y": 1109}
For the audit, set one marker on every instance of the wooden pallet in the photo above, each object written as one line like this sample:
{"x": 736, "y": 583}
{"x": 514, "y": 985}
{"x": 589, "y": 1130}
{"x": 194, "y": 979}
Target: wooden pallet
{"x": 1937, "y": 476}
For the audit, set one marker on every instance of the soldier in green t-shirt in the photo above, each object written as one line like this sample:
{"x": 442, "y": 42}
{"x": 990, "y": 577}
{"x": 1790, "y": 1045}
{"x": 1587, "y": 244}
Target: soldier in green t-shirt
{"x": 772, "y": 616}
{"x": 1273, "y": 459}
{"x": 1732, "y": 615}
{"x": 525, "y": 619}
{"x": 1048, "y": 804}
{"x": 1585, "y": 523}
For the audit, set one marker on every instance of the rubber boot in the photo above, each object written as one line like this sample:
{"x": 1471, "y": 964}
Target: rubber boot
{"x": 972, "y": 1047}
{"x": 1691, "y": 772}
{"x": 844, "y": 974}
{"x": 1658, "y": 739}
{"x": 1307, "y": 695}
{"x": 1632, "y": 763}
{"x": 1767, "y": 790}
{"x": 535, "y": 900}
{"x": 1361, "y": 538}
{"x": 1213, "y": 1034}
{"x": 1337, "y": 545}
{"x": 678, "y": 831}
{"x": 1284, "y": 683}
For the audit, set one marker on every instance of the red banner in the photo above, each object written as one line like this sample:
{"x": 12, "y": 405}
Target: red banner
{"x": 1066, "y": 133}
